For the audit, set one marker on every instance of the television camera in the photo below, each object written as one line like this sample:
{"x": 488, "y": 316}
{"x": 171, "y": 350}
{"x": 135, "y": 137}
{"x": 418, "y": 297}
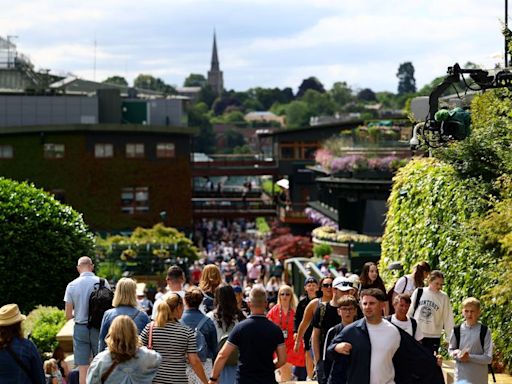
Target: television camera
{"x": 443, "y": 126}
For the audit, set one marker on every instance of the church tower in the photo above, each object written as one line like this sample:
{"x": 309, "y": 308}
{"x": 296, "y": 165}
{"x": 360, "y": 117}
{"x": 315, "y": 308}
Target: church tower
{"x": 215, "y": 79}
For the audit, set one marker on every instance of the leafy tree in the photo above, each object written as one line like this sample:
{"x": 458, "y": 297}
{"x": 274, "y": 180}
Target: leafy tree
{"x": 43, "y": 324}
{"x": 268, "y": 96}
{"x": 116, "y": 80}
{"x": 366, "y": 94}
{"x": 310, "y": 83}
{"x": 40, "y": 242}
{"x": 198, "y": 117}
{"x": 341, "y": 93}
{"x": 297, "y": 114}
{"x": 207, "y": 96}
{"x": 242, "y": 150}
{"x": 153, "y": 83}
{"x": 233, "y": 139}
{"x": 318, "y": 103}
{"x": 195, "y": 80}
{"x": 235, "y": 117}
{"x": 252, "y": 105}
{"x": 222, "y": 103}
{"x": 406, "y": 80}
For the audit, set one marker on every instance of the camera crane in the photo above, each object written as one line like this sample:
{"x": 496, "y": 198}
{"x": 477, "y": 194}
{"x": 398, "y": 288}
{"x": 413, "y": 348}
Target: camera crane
{"x": 438, "y": 130}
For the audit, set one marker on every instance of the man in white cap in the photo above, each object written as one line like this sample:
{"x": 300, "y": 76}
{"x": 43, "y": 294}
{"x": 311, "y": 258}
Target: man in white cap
{"x": 325, "y": 317}
{"x": 20, "y": 362}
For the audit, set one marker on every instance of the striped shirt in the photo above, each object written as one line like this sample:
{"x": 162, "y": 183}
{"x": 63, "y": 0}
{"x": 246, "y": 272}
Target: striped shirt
{"x": 173, "y": 342}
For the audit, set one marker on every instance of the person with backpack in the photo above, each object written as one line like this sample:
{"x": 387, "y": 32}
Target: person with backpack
{"x": 471, "y": 345}
{"x": 408, "y": 283}
{"x": 206, "y": 334}
{"x": 401, "y": 305}
{"x": 77, "y": 298}
{"x": 225, "y": 316}
{"x": 124, "y": 303}
{"x": 432, "y": 310}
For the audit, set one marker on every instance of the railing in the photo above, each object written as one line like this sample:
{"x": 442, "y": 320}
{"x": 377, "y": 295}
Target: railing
{"x": 235, "y": 160}
{"x": 298, "y": 268}
{"x": 231, "y": 204}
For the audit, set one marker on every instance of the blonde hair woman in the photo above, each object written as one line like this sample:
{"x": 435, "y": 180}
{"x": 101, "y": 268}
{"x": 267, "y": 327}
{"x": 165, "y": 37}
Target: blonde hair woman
{"x": 124, "y": 303}
{"x": 283, "y": 314}
{"x": 123, "y": 361}
{"x": 174, "y": 341}
{"x": 208, "y": 283}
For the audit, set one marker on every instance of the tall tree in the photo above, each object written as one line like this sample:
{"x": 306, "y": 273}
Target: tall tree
{"x": 406, "y": 80}
{"x": 341, "y": 93}
{"x": 195, "y": 80}
{"x": 310, "y": 83}
{"x": 297, "y": 114}
{"x": 116, "y": 80}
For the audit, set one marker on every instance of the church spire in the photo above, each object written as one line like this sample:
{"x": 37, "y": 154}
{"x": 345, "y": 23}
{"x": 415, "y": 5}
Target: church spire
{"x": 215, "y": 77}
{"x": 215, "y": 58}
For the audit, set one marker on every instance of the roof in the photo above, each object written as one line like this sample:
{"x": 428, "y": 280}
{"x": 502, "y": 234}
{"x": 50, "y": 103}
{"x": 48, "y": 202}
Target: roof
{"x": 287, "y": 131}
{"x": 261, "y": 114}
{"x": 136, "y": 128}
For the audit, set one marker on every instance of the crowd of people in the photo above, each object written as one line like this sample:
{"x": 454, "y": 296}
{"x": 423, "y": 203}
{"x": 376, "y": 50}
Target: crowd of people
{"x": 233, "y": 319}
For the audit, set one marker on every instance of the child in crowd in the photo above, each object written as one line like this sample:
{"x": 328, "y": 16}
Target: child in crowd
{"x": 52, "y": 372}
{"x": 471, "y": 345}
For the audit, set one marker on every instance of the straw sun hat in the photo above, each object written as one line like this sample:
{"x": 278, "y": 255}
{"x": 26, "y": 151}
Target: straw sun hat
{"x": 10, "y": 314}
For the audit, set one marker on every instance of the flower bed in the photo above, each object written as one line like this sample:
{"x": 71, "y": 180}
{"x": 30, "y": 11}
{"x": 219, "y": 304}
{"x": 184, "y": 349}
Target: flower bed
{"x": 327, "y": 233}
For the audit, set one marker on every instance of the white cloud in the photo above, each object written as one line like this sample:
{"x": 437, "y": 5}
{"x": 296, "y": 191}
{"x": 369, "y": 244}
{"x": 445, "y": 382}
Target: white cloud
{"x": 261, "y": 42}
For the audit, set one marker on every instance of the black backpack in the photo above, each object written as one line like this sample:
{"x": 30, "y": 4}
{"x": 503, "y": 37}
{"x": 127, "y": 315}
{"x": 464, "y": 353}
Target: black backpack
{"x": 483, "y": 332}
{"x": 99, "y": 302}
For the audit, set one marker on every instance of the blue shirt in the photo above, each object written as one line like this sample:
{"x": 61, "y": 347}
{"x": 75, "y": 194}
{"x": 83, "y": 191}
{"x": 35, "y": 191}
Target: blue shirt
{"x": 140, "y": 318}
{"x": 12, "y": 373}
{"x": 191, "y": 318}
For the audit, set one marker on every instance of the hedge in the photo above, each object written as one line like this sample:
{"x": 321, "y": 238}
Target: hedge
{"x": 456, "y": 213}
{"x": 42, "y": 326}
{"x": 40, "y": 243}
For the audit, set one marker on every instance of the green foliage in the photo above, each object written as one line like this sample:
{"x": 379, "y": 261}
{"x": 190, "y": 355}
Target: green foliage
{"x": 42, "y": 326}
{"x": 486, "y": 153}
{"x": 266, "y": 186}
{"x": 430, "y": 208}
{"x": 262, "y": 225}
{"x": 195, "y": 80}
{"x": 40, "y": 241}
{"x": 144, "y": 251}
{"x": 406, "y": 80}
{"x": 321, "y": 250}
{"x": 116, "y": 80}
{"x": 310, "y": 83}
{"x": 153, "y": 83}
{"x": 297, "y": 114}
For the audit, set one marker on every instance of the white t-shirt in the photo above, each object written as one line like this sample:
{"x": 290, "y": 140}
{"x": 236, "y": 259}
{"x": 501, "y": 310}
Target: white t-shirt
{"x": 385, "y": 340}
{"x": 405, "y": 284}
{"x": 407, "y": 327}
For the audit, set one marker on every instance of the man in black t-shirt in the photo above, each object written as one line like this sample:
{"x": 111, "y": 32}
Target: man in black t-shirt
{"x": 257, "y": 339}
{"x": 325, "y": 317}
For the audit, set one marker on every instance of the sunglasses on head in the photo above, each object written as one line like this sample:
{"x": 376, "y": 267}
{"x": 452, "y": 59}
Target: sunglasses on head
{"x": 285, "y": 294}
{"x": 327, "y": 285}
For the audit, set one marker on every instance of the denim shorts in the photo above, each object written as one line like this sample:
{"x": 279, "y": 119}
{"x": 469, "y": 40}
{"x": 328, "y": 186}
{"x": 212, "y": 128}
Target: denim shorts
{"x": 85, "y": 343}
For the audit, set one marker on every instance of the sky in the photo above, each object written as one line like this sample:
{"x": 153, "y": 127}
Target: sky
{"x": 261, "y": 43}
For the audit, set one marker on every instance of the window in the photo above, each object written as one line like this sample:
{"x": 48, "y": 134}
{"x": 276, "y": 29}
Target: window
{"x": 135, "y": 200}
{"x": 288, "y": 152}
{"x": 6, "y": 152}
{"x": 103, "y": 150}
{"x": 134, "y": 150}
{"x": 165, "y": 150}
{"x": 53, "y": 151}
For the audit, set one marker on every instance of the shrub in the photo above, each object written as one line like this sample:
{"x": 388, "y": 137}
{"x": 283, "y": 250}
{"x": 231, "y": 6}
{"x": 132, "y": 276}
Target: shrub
{"x": 262, "y": 225}
{"x": 42, "y": 326}
{"x": 40, "y": 242}
{"x": 321, "y": 250}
